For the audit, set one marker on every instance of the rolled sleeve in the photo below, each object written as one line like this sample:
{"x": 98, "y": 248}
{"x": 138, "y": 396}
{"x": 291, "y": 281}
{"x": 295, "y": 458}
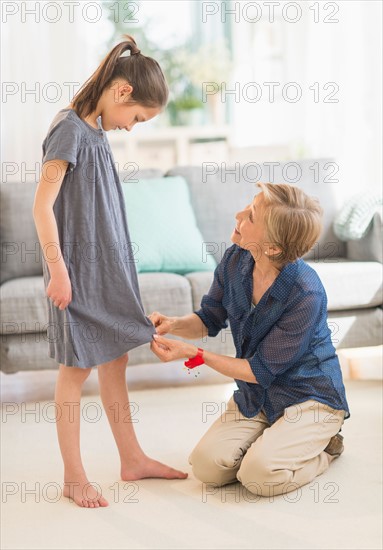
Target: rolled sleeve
{"x": 211, "y": 321}
{"x": 212, "y": 313}
{"x": 262, "y": 374}
{"x": 287, "y": 341}
{"x": 62, "y": 143}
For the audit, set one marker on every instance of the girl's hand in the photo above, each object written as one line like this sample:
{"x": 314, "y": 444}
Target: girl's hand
{"x": 169, "y": 350}
{"x": 163, "y": 324}
{"x": 59, "y": 290}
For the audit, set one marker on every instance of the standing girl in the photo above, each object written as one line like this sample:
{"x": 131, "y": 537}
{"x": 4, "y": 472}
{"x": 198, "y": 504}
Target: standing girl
{"x": 95, "y": 311}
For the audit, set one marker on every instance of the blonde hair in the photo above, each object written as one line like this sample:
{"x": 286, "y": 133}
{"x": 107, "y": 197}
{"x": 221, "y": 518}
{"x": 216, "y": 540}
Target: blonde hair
{"x": 292, "y": 220}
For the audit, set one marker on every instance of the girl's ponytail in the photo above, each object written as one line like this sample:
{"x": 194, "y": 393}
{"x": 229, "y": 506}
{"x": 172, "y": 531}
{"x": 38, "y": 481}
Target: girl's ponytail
{"x": 129, "y": 44}
{"x": 143, "y": 73}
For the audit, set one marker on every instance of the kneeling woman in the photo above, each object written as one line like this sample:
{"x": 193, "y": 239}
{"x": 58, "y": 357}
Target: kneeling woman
{"x": 281, "y": 427}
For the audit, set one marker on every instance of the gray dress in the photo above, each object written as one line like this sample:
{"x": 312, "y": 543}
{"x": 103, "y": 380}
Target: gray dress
{"x": 105, "y": 318}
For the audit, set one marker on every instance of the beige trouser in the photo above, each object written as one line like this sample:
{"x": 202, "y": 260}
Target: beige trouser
{"x": 267, "y": 459}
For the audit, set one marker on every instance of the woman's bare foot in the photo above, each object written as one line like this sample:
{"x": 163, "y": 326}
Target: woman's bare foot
{"x": 147, "y": 467}
{"x": 79, "y": 489}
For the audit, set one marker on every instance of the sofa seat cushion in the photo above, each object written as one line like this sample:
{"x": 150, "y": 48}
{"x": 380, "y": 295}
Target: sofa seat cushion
{"x": 168, "y": 293}
{"x": 348, "y": 285}
{"x": 24, "y": 307}
{"x": 20, "y": 247}
{"x": 200, "y": 282}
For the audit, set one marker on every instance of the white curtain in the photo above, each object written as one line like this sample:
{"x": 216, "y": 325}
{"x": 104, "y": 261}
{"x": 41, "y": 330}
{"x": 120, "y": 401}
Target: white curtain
{"x": 347, "y": 53}
{"x": 350, "y": 130}
{"x": 52, "y": 53}
{"x": 66, "y": 52}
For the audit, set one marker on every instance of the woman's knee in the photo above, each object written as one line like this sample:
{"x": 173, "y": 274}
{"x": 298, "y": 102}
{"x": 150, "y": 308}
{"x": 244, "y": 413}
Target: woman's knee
{"x": 254, "y": 468}
{"x": 210, "y": 466}
{"x": 258, "y": 476}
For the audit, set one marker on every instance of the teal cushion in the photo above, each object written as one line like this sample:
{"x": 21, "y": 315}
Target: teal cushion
{"x": 163, "y": 228}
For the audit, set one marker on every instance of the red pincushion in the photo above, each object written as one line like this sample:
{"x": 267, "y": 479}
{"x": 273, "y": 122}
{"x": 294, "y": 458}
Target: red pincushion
{"x": 195, "y": 361}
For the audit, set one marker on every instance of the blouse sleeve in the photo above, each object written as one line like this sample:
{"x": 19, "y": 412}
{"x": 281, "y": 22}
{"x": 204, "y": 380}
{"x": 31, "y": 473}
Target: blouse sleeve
{"x": 287, "y": 341}
{"x": 212, "y": 312}
{"x": 62, "y": 143}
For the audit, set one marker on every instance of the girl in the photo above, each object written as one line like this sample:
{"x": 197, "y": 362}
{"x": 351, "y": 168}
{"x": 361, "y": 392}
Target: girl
{"x": 95, "y": 310}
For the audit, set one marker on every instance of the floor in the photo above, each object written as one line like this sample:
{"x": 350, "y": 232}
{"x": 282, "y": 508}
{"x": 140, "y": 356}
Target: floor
{"x": 341, "y": 509}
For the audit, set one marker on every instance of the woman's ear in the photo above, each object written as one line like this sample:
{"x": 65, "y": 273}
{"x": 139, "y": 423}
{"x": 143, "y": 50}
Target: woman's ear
{"x": 272, "y": 249}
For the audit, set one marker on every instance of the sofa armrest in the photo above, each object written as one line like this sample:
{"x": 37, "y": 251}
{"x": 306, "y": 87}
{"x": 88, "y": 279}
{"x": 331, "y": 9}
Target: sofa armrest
{"x": 369, "y": 248}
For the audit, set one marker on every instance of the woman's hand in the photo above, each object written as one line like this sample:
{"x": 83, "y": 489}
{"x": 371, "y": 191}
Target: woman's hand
{"x": 170, "y": 350}
{"x": 163, "y": 324}
{"x": 59, "y": 290}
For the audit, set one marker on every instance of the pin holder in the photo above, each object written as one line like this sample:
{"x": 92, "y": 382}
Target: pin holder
{"x": 195, "y": 361}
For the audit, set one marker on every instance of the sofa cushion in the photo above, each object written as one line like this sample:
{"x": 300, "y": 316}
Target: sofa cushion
{"x": 348, "y": 285}
{"x": 163, "y": 228}
{"x": 24, "y": 307}
{"x": 370, "y": 246}
{"x": 168, "y": 293}
{"x": 134, "y": 174}
{"x": 217, "y": 194}
{"x": 354, "y": 328}
{"x": 20, "y": 247}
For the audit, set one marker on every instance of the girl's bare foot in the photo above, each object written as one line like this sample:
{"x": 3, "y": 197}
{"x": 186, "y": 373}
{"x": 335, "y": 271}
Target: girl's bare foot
{"x": 143, "y": 467}
{"x": 78, "y": 488}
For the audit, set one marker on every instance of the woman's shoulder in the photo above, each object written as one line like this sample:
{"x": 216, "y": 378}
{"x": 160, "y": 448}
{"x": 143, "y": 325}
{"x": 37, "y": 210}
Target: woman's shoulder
{"x": 233, "y": 254}
{"x": 307, "y": 278}
{"x": 235, "y": 261}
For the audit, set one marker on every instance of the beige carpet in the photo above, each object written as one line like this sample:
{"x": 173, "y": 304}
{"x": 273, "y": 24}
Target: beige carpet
{"x": 340, "y": 509}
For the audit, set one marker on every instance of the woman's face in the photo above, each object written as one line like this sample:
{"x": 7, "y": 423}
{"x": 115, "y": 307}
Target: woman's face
{"x": 249, "y": 232}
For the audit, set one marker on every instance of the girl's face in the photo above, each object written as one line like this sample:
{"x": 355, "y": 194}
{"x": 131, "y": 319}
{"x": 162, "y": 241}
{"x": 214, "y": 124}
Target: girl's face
{"x": 117, "y": 113}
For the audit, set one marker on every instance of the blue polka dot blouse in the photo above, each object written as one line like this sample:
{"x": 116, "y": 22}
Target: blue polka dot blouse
{"x": 285, "y": 337}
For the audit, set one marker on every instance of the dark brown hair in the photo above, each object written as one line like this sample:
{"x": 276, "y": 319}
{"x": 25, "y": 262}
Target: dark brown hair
{"x": 143, "y": 73}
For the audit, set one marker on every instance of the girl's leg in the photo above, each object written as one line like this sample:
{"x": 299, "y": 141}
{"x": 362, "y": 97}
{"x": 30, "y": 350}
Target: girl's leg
{"x": 114, "y": 394}
{"x": 67, "y": 397}
{"x": 291, "y": 452}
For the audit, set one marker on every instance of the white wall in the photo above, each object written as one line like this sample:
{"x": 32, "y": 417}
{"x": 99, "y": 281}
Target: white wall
{"x": 45, "y": 56}
{"x": 37, "y": 52}
{"x": 347, "y": 53}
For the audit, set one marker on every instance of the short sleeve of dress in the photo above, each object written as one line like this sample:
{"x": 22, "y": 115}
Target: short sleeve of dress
{"x": 62, "y": 143}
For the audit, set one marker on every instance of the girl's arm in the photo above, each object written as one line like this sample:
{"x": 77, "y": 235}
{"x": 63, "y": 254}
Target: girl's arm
{"x": 52, "y": 175}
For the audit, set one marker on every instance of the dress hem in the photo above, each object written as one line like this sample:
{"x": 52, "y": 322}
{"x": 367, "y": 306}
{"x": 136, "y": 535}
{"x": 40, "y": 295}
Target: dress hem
{"x": 106, "y": 360}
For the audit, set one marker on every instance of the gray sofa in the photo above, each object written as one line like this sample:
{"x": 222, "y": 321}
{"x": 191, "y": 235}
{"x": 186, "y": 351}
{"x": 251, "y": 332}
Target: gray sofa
{"x": 351, "y": 272}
